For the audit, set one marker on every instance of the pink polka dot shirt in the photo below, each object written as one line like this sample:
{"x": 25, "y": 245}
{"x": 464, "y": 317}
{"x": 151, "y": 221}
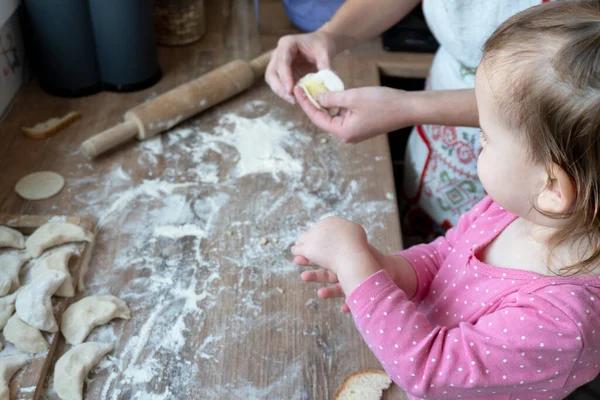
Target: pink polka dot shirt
{"x": 478, "y": 331}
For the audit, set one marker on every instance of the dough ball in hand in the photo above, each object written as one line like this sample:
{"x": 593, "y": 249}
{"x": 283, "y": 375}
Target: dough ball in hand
{"x": 323, "y": 81}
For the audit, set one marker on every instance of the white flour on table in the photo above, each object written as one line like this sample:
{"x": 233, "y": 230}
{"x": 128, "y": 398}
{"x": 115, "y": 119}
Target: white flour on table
{"x": 165, "y": 232}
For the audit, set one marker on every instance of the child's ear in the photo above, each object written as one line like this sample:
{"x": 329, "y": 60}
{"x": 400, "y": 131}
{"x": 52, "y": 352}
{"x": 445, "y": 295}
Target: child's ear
{"x": 559, "y": 194}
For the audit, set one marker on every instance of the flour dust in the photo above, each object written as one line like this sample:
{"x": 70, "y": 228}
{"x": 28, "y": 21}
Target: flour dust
{"x": 183, "y": 241}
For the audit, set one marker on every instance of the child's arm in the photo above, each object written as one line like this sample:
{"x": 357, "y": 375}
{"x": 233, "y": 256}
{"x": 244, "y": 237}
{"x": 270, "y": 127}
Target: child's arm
{"x": 511, "y": 342}
{"x": 426, "y": 259}
{"x": 398, "y": 268}
{"x": 519, "y": 343}
{"x": 400, "y": 271}
{"x": 412, "y": 270}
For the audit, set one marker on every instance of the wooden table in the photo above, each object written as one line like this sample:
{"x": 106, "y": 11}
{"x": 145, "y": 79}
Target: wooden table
{"x": 216, "y": 314}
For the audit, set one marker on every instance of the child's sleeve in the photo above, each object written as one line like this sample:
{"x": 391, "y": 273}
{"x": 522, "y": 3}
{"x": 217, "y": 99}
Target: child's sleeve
{"x": 426, "y": 259}
{"x": 525, "y": 343}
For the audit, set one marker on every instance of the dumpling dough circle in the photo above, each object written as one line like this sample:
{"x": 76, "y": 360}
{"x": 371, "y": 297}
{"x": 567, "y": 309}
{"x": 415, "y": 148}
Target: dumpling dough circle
{"x": 40, "y": 185}
{"x": 314, "y": 84}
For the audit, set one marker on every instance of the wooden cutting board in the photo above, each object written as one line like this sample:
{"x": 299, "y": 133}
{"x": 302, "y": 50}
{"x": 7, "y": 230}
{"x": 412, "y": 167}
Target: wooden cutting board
{"x": 28, "y": 383}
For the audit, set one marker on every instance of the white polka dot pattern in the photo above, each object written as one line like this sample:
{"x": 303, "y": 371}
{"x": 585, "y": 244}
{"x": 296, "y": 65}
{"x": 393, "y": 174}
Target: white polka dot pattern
{"x": 472, "y": 327}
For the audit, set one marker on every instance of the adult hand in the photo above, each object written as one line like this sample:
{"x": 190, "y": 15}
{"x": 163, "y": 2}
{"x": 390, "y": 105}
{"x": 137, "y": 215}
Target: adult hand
{"x": 294, "y": 57}
{"x": 364, "y": 112}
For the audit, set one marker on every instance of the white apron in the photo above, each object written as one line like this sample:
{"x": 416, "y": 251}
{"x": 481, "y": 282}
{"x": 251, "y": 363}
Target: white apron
{"x": 441, "y": 161}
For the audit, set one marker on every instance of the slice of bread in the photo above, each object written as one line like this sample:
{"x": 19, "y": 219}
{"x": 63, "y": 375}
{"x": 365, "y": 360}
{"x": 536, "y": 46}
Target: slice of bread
{"x": 50, "y": 127}
{"x": 364, "y": 385}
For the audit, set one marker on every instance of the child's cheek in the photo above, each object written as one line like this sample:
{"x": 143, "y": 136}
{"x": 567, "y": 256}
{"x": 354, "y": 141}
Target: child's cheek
{"x": 483, "y": 170}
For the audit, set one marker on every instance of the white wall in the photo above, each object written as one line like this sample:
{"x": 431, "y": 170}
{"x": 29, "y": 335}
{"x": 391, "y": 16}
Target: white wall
{"x": 12, "y": 53}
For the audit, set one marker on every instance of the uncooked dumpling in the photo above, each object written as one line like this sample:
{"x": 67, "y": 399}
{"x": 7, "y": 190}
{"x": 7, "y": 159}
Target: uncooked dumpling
{"x": 9, "y": 366}
{"x": 81, "y": 317}
{"x": 7, "y": 308}
{"x": 323, "y": 81}
{"x": 10, "y": 266}
{"x": 11, "y": 238}
{"x": 59, "y": 261}
{"x": 34, "y": 303}
{"x": 24, "y": 337}
{"x": 72, "y": 368}
{"x": 54, "y": 234}
{"x": 5, "y": 283}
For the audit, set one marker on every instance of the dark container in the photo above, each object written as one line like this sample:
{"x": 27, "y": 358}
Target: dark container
{"x": 125, "y": 44}
{"x": 63, "y": 45}
{"x": 83, "y": 46}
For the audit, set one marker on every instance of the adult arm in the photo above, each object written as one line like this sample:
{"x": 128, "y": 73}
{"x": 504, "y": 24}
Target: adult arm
{"x": 371, "y": 111}
{"x": 355, "y": 22}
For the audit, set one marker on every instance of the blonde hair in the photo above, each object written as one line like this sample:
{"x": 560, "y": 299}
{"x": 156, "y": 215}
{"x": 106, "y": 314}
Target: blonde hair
{"x": 550, "y": 61}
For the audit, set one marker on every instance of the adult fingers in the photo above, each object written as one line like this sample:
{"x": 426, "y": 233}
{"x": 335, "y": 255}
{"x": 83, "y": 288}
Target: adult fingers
{"x": 318, "y": 117}
{"x": 339, "y": 99}
{"x": 288, "y": 47}
{"x": 272, "y": 79}
{"x": 322, "y": 60}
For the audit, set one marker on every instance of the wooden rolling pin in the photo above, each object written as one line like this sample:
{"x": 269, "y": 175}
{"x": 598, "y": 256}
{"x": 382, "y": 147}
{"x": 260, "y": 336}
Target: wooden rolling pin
{"x": 167, "y": 110}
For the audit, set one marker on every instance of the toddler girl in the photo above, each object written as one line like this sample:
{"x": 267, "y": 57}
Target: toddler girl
{"x": 505, "y": 306}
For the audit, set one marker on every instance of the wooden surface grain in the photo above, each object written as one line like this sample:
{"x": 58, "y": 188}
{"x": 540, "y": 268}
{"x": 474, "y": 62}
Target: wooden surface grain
{"x": 215, "y": 313}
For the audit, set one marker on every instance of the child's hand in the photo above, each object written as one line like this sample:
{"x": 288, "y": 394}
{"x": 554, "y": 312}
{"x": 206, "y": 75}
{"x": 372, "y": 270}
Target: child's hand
{"x": 398, "y": 268}
{"x": 341, "y": 247}
{"x": 330, "y": 242}
{"x": 333, "y": 290}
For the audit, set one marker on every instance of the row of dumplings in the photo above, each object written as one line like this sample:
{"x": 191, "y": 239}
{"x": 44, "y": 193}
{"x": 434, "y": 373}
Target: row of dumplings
{"x": 49, "y": 276}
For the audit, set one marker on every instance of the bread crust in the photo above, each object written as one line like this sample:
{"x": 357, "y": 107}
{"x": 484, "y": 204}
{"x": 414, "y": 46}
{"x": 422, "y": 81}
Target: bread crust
{"x": 39, "y": 133}
{"x": 349, "y": 377}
